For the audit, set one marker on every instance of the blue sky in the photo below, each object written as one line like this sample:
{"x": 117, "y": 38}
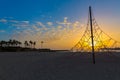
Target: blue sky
{"x": 44, "y": 16}
{"x": 35, "y": 9}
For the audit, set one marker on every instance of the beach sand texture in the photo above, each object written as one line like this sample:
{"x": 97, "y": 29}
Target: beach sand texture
{"x": 58, "y": 66}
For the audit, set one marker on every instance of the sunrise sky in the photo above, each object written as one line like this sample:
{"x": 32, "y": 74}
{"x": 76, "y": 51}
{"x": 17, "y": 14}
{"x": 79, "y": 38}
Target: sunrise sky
{"x": 59, "y": 23}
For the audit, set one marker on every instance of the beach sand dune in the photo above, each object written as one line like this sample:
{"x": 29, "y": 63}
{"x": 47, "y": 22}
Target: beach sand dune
{"x": 58, "y": 66}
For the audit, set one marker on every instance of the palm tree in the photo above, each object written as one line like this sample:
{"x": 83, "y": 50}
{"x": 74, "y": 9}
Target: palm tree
{"x": 3, "y": 43}
{"x": 19, "y": 43}
{"x": 14, "y": 43}
{"x": 26, "y": 44}
{"x": 31, "y": 43}
{"x": 10, "y": 42}
{"x": 0, "y": 43}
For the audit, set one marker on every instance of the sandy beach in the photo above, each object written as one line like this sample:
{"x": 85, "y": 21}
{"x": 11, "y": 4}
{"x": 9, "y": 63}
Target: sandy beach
{"x": 58, "y": 66}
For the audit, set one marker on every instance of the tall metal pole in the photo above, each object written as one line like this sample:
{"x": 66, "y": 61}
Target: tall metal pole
{"x": 92, "y": 37}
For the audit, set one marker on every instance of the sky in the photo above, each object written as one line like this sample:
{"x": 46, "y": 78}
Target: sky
{"x": 59, "y": 23}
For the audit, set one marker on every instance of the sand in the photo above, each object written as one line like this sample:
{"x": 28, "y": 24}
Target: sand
{"x": 58, "y": 66}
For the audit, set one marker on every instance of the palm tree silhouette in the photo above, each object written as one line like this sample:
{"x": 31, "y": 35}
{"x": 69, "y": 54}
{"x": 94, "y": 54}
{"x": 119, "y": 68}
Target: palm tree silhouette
{"x": 10, "y": 42}
{"x": 19, "y": 43}
{"x": 14, "y": 43}
{"x": 31, "y": 43}
{"x": 3, "y": 43}
{"x": 26, "y": 44}
{"x": 0, "y": 43}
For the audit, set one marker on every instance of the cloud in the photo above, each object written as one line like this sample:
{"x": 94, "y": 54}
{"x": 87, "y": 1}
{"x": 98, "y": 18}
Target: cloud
{"x": 65, "y": 22}
{"x": 2, "y": 31}
{"x": 19, "y": 24}
{"x": 3, "y": 20}
{"x": 49, "y": 23}
{"x": 53, "y": 33}
{"x": 49, "y": 32}
{"x": 43, "y": 27}
{"x": 8, "y": 17}
{"x": 40, "y": 24}
{"x": 17, "y": 21}
{"x": 36, "y": 28}
{"x": 14, "y": 21}
{"x": 26, "y": 22}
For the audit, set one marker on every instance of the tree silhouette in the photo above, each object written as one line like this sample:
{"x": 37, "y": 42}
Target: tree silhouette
{"x": 10, "y": 42}
{"x": 3, "y": 43}
{"x": 0, "y": 44}
{"x": 14, "y": 43}
{"x": 19, "y": 43}
{"x": 31, "y": 43}
{"x": 26, "y": 44}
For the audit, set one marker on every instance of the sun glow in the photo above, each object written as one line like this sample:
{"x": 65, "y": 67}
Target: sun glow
{"x": 94, "y": 43}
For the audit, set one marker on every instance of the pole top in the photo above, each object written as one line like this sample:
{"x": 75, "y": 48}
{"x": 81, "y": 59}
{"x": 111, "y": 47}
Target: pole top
{"x": 89, "y": 6}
